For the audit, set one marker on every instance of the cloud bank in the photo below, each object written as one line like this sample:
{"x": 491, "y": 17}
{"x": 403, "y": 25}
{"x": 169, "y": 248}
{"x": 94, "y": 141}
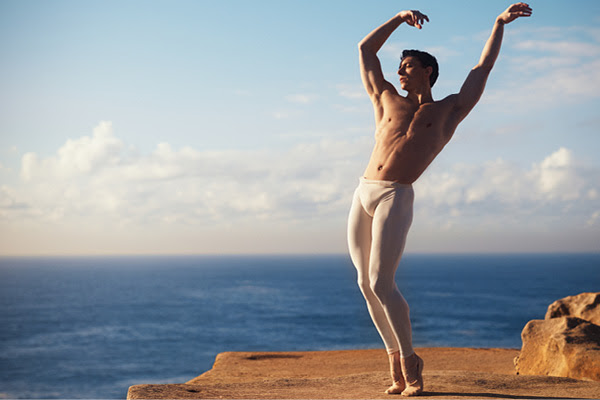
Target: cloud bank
{"x": 98, "y": 181}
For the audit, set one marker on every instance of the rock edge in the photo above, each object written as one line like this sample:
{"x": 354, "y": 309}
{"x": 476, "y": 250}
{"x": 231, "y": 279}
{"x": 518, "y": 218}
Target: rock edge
{"x": 452, "y": 373}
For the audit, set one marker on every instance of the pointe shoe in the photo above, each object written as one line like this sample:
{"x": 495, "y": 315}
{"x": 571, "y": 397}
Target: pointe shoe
{"x": 413, "y": 376}
{"x": 396, "y": 371}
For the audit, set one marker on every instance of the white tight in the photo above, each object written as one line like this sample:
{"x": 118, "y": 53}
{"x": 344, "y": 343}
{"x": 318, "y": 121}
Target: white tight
{"x": 378, "y": 224}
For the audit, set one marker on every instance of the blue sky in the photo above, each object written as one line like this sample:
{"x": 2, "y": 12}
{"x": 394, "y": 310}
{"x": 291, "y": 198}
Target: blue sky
{"x": 242, "y": 127}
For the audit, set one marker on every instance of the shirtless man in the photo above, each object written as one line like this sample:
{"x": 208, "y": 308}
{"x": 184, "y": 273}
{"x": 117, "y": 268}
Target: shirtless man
{"x": 410, "y": 131}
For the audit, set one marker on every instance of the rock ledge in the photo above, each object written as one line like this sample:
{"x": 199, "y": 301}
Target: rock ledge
{"x": 450, "y": 373}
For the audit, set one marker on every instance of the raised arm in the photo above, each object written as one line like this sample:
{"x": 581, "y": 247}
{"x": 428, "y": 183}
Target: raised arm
{"x": 472, "y": 89}
{"x": 370, "y": 67}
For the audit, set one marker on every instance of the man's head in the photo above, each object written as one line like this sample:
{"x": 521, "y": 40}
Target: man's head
{"x": 426, "y": 60}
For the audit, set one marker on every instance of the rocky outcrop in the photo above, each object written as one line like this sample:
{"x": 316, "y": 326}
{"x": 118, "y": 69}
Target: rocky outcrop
{"x": 585, "y": 306}
{"x": 564, "y": 344}
{"x": 455, "y": 373}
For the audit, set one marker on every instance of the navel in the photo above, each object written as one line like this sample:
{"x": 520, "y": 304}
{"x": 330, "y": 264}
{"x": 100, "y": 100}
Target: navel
{"x": 429, "y": 125}
{"x": 380, "y": 168}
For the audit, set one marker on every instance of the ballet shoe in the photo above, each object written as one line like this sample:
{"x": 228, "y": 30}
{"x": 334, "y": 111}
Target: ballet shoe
{"x": 396, "y": 372}
{"x": 396, "y": 388}
{"x": 413, "y": 376}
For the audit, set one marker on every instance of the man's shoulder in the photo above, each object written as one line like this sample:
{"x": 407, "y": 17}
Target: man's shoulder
{"x": 449, "y": 112}
{"x": 447, "y": 104}
{"x": 390, "y": 100}
{"x": 392, "y": 95}
{"x": 449, "y": 100}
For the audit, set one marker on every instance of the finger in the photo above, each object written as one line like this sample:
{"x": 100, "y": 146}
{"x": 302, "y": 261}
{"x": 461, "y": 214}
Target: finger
{"x": 525, "y": 7}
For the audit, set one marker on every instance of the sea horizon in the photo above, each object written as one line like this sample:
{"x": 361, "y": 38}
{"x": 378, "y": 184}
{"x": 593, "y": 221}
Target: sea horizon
{"x": 293, "y": 254}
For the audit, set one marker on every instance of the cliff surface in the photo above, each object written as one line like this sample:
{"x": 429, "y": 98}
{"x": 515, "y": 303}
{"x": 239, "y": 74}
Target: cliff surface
{"x": 450, "y": 373}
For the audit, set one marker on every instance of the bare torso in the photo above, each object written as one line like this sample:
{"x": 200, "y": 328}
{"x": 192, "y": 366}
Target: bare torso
{"x": 409, "y": 136}
{"x": 412, "y": 130}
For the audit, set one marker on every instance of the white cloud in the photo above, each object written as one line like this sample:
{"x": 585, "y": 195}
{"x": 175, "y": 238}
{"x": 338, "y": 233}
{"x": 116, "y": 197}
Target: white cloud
{"x": 353, "y": 92}
{"x": 286, "y": 114}
{"x": 500, "y": 192}
{"x": 564, "y": 48}
{"x": 94, "y": 177}
{"x": 301, "y": 98}
{"x": 76, "y": 157}
{"x": 594, "y": 218}
{"x": 546, "y": 68}
{"x": 557, "y": 176}
{"x": 552, "y": 33}
{"x": 308, "y": 185}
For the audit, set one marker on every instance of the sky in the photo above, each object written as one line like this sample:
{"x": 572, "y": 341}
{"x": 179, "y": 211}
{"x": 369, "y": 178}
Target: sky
{"x": 238, "y": 127}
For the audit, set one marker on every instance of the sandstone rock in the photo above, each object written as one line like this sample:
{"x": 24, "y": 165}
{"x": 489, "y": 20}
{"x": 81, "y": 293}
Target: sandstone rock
{"x": 566, "y": 346}
{"x": 450, "y": 373}
{"x": 585, "y": 306}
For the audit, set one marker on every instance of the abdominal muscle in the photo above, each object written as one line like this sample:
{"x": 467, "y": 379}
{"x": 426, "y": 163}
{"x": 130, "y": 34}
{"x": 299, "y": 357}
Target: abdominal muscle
{"x": 401, "y": 161}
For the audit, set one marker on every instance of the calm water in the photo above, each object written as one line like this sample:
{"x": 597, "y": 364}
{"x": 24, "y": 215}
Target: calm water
{"x": 91, "y": 327}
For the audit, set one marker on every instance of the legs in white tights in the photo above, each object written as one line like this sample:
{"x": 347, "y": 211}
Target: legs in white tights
{"x": 378, "y": 224}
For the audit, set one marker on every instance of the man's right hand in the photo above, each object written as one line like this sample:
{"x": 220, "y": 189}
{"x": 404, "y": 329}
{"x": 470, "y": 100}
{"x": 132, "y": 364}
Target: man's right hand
{"x": 413, "y": 18}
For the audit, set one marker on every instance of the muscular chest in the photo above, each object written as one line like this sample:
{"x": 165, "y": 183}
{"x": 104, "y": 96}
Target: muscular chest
{"x": 418, "y": 123}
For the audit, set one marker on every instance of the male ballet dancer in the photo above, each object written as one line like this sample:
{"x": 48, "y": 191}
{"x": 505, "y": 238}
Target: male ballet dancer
{"x": 410, "y": 131}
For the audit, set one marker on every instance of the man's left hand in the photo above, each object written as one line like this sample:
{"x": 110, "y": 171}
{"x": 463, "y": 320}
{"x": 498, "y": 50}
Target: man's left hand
{"x": 513, "y": 12}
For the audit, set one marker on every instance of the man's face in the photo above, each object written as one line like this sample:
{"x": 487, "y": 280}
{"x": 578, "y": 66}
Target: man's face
{"x": 412, "y": 74}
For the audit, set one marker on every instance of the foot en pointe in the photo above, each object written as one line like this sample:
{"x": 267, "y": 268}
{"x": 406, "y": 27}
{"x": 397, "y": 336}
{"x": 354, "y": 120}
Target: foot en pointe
{"x": 407, "y": 375}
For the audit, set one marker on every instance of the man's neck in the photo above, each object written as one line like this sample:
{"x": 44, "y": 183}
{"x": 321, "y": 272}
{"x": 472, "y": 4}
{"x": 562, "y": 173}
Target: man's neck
{"x": 420, "y": 97}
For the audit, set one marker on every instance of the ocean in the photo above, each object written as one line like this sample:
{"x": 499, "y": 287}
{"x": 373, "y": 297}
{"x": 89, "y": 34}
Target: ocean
{"x": 90, "y": 327}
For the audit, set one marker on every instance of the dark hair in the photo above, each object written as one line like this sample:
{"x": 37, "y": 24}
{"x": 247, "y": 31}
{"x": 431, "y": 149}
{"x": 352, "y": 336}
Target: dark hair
{"x": 427, "y": 60}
